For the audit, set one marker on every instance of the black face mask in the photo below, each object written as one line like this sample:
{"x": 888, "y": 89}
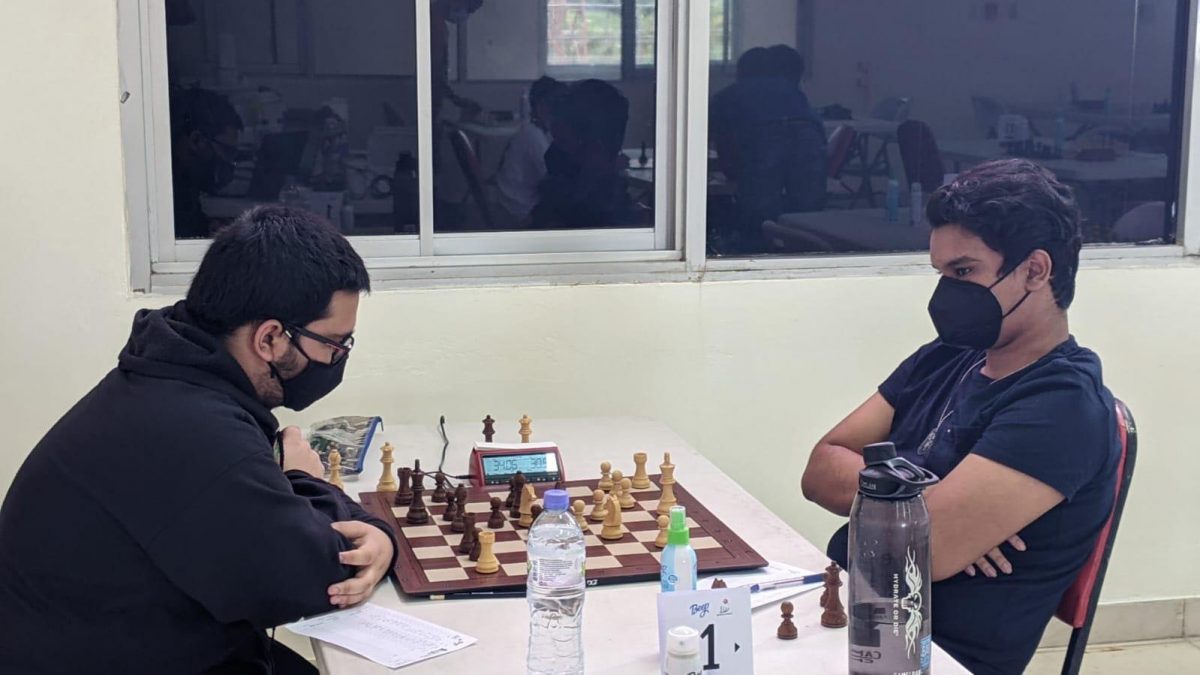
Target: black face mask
{"x": 967, "y": 314}
{"x": 311, "y": 384}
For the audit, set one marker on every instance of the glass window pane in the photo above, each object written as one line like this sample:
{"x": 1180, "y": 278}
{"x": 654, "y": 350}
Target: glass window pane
{"x": 560, "y": 143}
{"x": 831, "y": 102}
{"x": 250, "y": 124}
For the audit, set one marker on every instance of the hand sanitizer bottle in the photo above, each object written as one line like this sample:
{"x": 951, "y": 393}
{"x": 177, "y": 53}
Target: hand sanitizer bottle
{"x": 678, "y": 558}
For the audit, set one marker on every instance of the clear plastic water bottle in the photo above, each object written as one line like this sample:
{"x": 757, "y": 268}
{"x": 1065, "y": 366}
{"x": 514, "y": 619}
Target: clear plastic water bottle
{"x": 892, "y": 201}
{"x": 554, "y": 589}
{"x": 890, "y": 613}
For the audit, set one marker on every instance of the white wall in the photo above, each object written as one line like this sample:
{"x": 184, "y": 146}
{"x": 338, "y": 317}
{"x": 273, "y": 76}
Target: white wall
{"x": 750, "y": 373}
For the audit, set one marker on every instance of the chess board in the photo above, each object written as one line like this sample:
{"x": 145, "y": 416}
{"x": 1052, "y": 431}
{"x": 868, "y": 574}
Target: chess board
{"x": 428, "y": 563}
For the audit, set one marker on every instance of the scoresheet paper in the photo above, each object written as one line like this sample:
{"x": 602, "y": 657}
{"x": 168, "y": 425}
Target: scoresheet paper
{"x": 385, "y": 636}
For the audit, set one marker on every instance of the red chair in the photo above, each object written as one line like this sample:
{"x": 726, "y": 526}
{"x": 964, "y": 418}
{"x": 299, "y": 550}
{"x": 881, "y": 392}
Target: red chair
{"x": 1078, "y": 605}
{"x": 468, "y": 161}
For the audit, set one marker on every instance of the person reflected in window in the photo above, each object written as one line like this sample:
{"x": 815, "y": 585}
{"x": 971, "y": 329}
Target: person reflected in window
{"x": 585, "y": 183}
{"x": 770, "y": 145}
{"x": 524, "y": 163}
{"x": 204, "y": 140}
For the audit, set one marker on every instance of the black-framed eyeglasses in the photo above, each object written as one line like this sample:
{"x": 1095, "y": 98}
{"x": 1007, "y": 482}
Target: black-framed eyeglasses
{"x": 339, "y": 350}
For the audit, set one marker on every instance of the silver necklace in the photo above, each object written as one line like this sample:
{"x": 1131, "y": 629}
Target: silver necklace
{"x": 927, "y": 444}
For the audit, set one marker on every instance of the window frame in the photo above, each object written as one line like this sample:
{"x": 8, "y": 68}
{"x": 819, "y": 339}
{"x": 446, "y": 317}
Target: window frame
{"x": 681, "y": 247}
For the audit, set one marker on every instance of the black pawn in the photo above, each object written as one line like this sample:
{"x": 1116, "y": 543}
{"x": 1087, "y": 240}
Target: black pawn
{"x": 497, "y": 519}
{"x": 451, "y": 509}
{"x": 439, "y": 488}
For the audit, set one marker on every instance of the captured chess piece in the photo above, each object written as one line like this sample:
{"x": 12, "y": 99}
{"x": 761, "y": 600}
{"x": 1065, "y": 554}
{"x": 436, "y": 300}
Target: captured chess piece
{"x": 519, "y": 487}
{"x": 641, "y": 479}
{"x": 626, "y": 499}
{"x": 526, "y": 428}
{"x": 612, "y": 522}
{"x": 439, "y": 488}
{"x": 719, "y": 583}
{"x": 387, "y": 482}
{"x": 468, "y": 538}
{"x": 606, "y": 482}
{"x": 525, "y": 510}
{"x": 335, "y": 469}
{"x": 577, "y": 510}
{"x": 488, "y": 563}
{"x": 661, "y": 540}
{"x": 667, "y": 499}
{"x": 598, "y": 511}
{"x": 404, "y": 488}
{"x": 787, "y": 629}
{"x": 451, "y": 509}
{"x": 497, "y": 519}
{"x": 489, "y": 429}
{"x": 834, "y": 615}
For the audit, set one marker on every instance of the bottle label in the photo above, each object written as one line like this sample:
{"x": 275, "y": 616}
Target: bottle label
{"x": 555, "y": 573}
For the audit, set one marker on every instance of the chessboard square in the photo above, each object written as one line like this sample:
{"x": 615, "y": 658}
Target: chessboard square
{"x": 645, "y": 535}
{"x": 592, "y": 540}
{"x": 603, "y": 562}
{"x": 702, "y": 543}
{"x": 642, "y": 558}
{"x": 509, "y": 547}
{"x": 523, "y": 534}
{"x": 515, "y": 569}
{"x": 652, "y": 488}
{"x": 626, "y": 549}
{"x": 419, "y": 531}
{"x": 430, "y": 552}
{"x": 657, "y": 555}
{"x": 595, "y": 527}
{"x": 651, "y": 505}
{"x": 579, "y": 492}
{"x": 479, "y": 507}
{"x": 637, "y": 516}
{"x": 444, "y": 575}
{"x": 510, "y": 534}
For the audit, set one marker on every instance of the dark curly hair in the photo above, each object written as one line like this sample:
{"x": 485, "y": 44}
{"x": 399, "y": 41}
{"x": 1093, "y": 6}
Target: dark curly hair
{"x": 1016, "y": 207}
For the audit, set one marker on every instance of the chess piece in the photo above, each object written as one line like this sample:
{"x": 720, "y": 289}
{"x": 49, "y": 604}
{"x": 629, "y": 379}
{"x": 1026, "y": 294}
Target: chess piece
{"x": 451, "y": 512}
{"x": 787, "y": 629}
{"x": 719, "y": 583}
{"x": 525, "y": 510}
{"x": 460, "y": 494}
{"x": 661, "y": 540}
{"x": 643, "y": 159}
{"x": 497, "y": 519}
{"x": 387, "y": 483}
{"x": 534, "y": 511}
{"x": 641, "y": 479}
{"x": 606, "y": 482}
{"x": 468, "y": 539}
{"x": 335, "y": 469}
{"x": 558, "y": 485}
{"x": 617, "y": 477}
{"x": 830, "y": 572}
{"x": 476, "y": 548}
{"x": 489, "y": 429}
{"x": 488, "y": 563}
{"x": 626, "y": 500}
{"x": 667, "y": 499}
{"x": 404, "y": 487}
{"x": 612, "y": 522}
{"x": 526, "y": 428}
{"x": 417, "y": 513}
{"x": 439, "y": 488}
{"x": 519, "y": 486}
{"x": 598, "y": 511}
{"x": 834, "y": 615}
{"x": 577, "y": 509}
{"x": 512, "y": 492}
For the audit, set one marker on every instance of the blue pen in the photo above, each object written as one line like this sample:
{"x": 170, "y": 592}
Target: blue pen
{"x": 784, "y": 583}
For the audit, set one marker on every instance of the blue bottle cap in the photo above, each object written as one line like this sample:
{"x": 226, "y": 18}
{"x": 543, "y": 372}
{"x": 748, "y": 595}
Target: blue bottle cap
{"x": 556, "y": 500}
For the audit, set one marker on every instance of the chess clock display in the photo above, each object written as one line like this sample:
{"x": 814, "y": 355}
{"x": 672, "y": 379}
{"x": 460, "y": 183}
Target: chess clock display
{"x": 497, "y": 463}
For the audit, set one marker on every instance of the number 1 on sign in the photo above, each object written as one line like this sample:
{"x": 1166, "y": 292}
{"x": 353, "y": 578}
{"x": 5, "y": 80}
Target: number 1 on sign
{"x": 710, "y": 636}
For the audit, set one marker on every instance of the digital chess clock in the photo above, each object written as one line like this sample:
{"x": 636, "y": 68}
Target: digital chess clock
{"x": 497, "y": 463}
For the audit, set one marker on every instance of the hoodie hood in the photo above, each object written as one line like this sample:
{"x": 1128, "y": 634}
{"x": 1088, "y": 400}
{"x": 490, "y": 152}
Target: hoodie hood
{"x": 166, "y": 343}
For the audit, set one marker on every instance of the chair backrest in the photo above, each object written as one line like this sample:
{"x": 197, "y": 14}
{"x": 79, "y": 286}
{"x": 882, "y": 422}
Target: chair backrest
{"x": 468, "y": 161}
{"x": 893, "y": 109}
{"x": 1078, "y": 604}
{"x": 1143, "y": 222}
{"x": 840, "y": 143}
{"x": 987, "y": 114}
{"x": 920, "y": 155}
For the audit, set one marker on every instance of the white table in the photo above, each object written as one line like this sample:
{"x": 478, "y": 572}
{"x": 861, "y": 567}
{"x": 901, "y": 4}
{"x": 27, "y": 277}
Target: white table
{"x": 858, "y": 230}
{"x": 1130, "y": 166}
{"x": 620, "y": 622}
{"x": 1134, "y": 119}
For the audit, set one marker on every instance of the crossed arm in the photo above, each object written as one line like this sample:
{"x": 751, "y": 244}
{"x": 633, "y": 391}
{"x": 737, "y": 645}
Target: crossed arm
{"x": 974, "y": 509}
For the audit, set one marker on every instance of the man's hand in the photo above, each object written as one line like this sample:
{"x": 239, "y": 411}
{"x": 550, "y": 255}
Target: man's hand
{"x": 372, "y": 552}
{"x": 997, "y": 558}
{"x": 299, "y": 456}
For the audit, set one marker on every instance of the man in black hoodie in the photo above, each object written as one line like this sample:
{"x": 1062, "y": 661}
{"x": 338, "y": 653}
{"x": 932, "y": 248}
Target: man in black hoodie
{"x": 154, "y": 529}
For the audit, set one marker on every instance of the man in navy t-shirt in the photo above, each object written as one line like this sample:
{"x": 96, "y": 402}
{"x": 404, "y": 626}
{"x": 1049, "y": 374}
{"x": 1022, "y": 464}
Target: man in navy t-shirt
{"x": 1005, "y": 407}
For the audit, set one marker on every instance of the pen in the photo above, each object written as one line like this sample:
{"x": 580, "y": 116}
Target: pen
{"x": 478, "y": 594}
{"x": 783, "y": 583}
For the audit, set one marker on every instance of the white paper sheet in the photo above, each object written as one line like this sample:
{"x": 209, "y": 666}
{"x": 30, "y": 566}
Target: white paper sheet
{"x": 385, "y": 636}
{"x": 774, "y": 571}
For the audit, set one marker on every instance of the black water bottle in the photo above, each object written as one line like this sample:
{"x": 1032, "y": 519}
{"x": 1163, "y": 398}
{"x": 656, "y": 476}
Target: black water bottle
{"x": 890, "y": 614}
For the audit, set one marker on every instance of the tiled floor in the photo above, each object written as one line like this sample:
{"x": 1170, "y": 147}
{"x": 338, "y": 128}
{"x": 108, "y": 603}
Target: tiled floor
{"x": 1175, "y": 656}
